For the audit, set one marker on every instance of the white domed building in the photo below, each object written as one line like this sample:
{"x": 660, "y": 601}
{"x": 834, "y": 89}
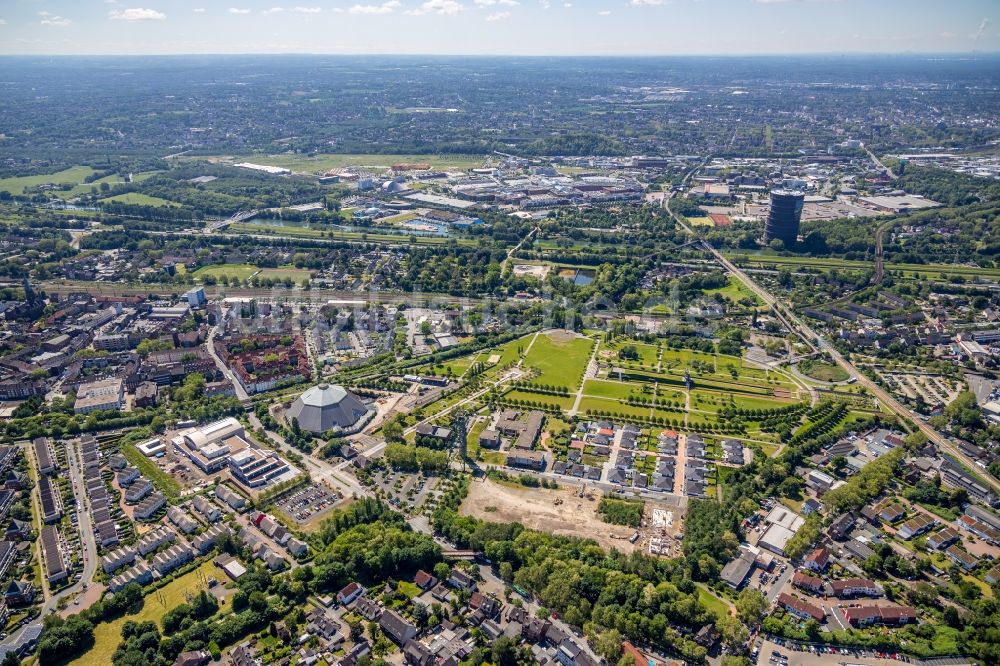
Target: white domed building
{"x": 329, "y": 407}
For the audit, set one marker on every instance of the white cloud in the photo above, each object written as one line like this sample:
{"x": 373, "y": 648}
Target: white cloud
{"x": 498, "y": 16}
{"x": 136, "y": 14}
{"x": 307, "y": 10}
{"x": 545, "y": 4}
{"x": 385, "y": 8}
{"x": 237, "y": 10}
{"x": 605, "y": 12}
{"x": 50, "y": 19}
{"x": 446, "y": 7}
{"x": 3, "y": 22}
{"x": 647, "y": 3}
{"x": 199, "y": 10}
{"x": 273, "y": 10}
{"x": 490, "y": 3}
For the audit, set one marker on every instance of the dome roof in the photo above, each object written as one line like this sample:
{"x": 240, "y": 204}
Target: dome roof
{"x": 328, "y": 407}
{"x": 323, "y": 395}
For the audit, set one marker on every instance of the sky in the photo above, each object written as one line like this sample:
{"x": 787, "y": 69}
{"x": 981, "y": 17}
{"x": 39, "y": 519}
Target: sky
{"x": 498, "y": 27}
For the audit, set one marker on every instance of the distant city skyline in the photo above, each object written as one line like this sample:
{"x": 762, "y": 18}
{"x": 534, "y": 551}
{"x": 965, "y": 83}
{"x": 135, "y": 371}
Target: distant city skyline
{"x": 498, "y": 27}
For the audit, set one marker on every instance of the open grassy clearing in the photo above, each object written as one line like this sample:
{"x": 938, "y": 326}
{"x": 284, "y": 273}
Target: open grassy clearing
{"x": 824, "y": 372}
{"x": 713, "y": 401}
{"x": 712, "y": 602}
{"x": 734, "y": 291}
{"x": 560, "y": 357}
{"x": 107, "y": 635}
{"x": 564, "y": 402}
{"x": 325, "y": 162}
{"x": 241, "y": 271}
{"x": 600, "y": 388}
{"x": 296, "y": 274}
{"x": 139, "y": 199}
{"x": 615, "y": 407}
{"x": 72, "y": 175}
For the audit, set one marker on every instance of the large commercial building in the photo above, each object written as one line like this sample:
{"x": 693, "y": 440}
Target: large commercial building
{"x": 784, "y": 217}
{"x": 223, "y": 444}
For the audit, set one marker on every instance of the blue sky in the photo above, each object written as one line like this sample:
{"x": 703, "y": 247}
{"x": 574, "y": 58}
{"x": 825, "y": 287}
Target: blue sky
{"x": 522, "y": 27}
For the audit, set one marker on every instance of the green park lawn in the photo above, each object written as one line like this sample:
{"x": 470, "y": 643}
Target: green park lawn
{"x": 241, "y": 271}
{"x": 296, "y": 274}
{"x": 611, "y": 389}
{"x": 561, "y": 359}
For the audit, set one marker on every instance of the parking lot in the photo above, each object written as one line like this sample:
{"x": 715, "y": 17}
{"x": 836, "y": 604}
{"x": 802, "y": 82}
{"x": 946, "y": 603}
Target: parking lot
{"x": 773, "y": 653}
{"x": 407, "y": 490}
{"x": 307, "y": 504}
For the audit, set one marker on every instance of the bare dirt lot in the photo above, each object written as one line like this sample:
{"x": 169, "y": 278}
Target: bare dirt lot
{"x": 537, "y": 509}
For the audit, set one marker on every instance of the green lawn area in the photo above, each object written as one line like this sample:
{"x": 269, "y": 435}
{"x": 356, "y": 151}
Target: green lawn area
{"x": 700, "y": 221}
{"x": 241, "y": 271}
{"x": 140, "y": 199}
{"x": 825, "y": 372}
{"x": 408, "y": 588}
{"x": 713, "y": 401}
{"x": 613, "y": 407}
{"x": 165, "y": 483}
{"x": 560, "y": 358}
{"x": 600, "y": 388}
{"x": 321, "y": 163}
{"x": 296, "y": 274}
{"x": 73, "y": 176}
{"x": 734, "y": 291}
{"x": 564, "y": 402}
{"x": 107, "y": 635}
{"x": 712, "y": 602}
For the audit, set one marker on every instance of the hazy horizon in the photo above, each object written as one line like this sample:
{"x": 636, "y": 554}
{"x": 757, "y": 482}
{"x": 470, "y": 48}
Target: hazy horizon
{"x": 639, "y": 28}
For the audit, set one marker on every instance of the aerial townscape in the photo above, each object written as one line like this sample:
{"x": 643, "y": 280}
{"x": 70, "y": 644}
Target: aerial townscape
{"x": 497, "y": 360}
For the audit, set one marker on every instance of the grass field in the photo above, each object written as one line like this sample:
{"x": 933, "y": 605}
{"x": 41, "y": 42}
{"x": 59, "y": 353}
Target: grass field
{"x": 560, "y": 357}
{"x": 165, "y": 483}
{"x": 564, "y": 402}
{"x": 321, "y": 163}
{"x": 72, "y": 176}
{"x": 107, "y": 635}
{"x": 712, "y": 602}
{"x": 139, "y": 199}
{"x": 825, "y": 372}
{"x": 712, "y": 401}
{"x": 701, "y": 221}
{"x": 613, "y": 407}
{"x": 734, "y": 291}
{"x": 241, "y": 271}
{"x": 296, "y": 274}
{"x": 600, "y": 388}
